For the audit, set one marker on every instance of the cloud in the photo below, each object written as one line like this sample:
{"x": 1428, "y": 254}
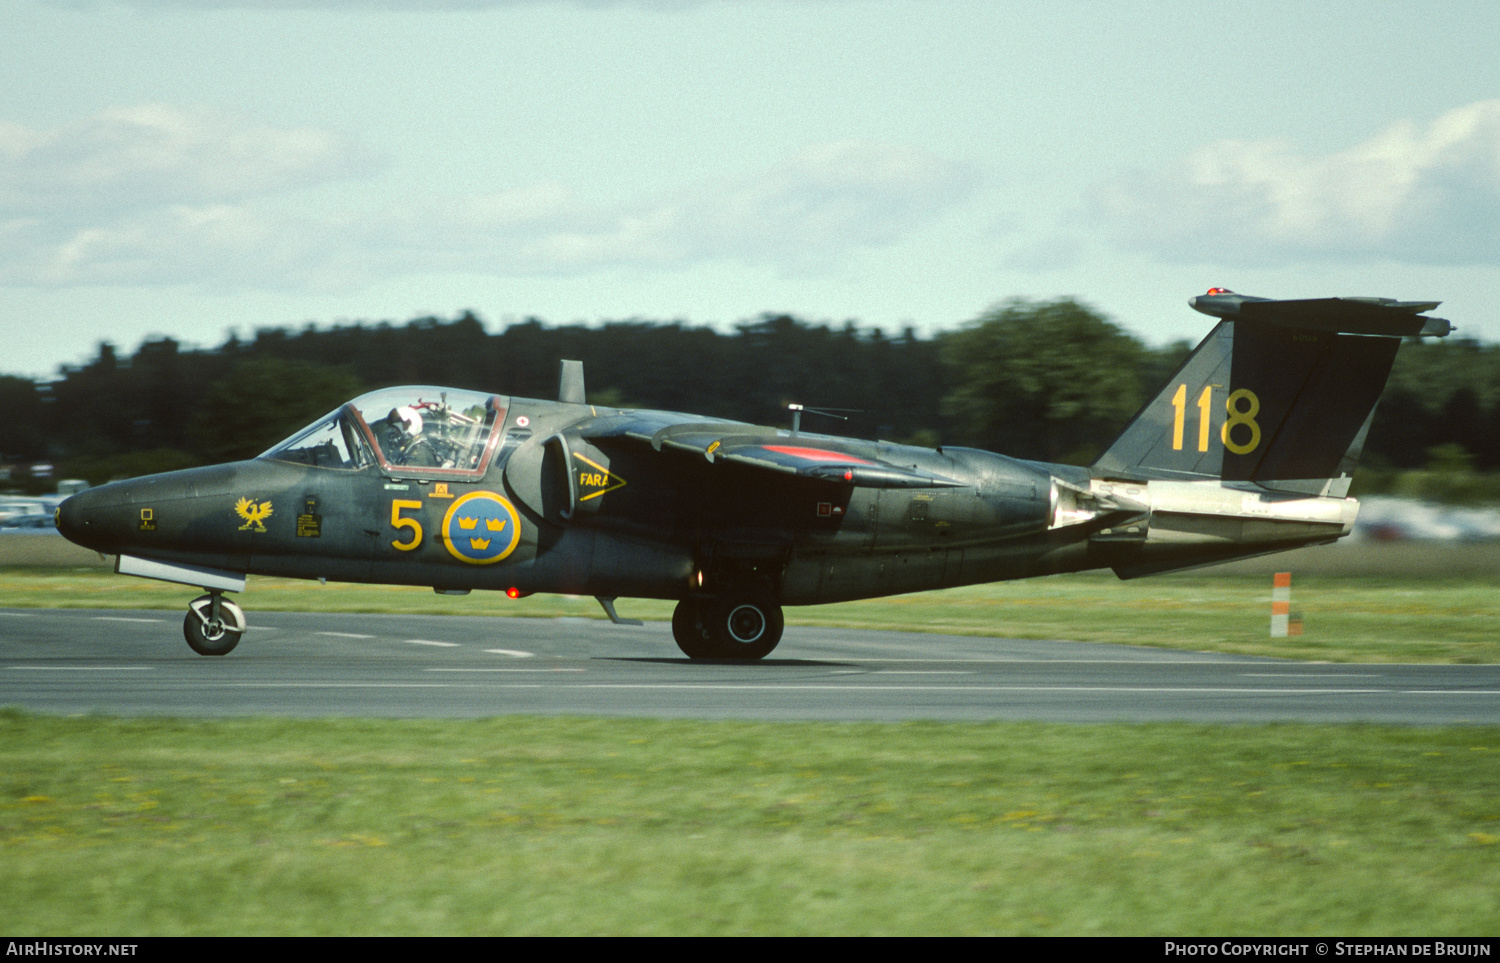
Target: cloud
{"x": 158, "y": 195}
{"x": 1427, "y": 195}
{"x": 827, "y": 199}
{"x": 153, "y": 155}
{"x": 799, "y": 216}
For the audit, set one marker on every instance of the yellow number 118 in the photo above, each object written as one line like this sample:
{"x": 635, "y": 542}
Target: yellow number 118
{"x": 1242, "y": 406}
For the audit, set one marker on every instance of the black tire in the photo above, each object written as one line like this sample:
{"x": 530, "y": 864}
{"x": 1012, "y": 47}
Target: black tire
{"x": 688, "y": 630}
{"x": 743, "y": 626}
{"x": 215, "y": 638}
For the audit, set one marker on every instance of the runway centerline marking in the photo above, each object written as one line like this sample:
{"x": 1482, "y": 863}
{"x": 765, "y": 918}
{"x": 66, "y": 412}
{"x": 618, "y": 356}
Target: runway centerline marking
{"x": 345, "y": 635}
{"x": 513, "y": 653}
{"x": 923, "y": 672}
{"x": 446, "y": 645}
{"x": 559, "y": 669}
{"x": 1317, "y": 675}
{"x": 121, "y": 618}
{"x": 82, "y": 668}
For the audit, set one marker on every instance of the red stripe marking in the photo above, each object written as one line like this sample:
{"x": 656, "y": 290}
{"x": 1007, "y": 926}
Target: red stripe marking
{"x": 817, "y": 454}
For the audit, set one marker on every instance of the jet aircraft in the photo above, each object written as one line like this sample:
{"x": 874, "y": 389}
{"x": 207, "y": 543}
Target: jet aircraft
{"x": 1247, "y": 450}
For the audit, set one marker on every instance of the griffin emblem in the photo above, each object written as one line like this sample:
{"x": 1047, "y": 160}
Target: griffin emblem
{"x": 252, "y": 513}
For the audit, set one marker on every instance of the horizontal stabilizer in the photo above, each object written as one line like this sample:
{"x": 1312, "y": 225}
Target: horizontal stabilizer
{"x": 1371, "y": 316}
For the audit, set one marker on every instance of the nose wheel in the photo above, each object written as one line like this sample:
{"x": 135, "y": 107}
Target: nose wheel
{"x": 213, "y": 625}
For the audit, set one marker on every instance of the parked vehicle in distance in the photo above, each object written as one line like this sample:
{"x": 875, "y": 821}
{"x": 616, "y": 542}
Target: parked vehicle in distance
{"x": 38, "y": 523}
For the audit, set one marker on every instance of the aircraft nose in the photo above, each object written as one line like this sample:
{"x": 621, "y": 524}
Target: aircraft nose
{"x": 87, "y": 518}
{"x": 72, "y": 517}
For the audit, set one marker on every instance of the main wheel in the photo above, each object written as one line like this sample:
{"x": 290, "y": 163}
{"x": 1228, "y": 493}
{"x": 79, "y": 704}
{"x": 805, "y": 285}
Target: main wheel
{"x": 207, "y": 634}
{"x": 743, "y": 626}
{"x": 688, "y": 630}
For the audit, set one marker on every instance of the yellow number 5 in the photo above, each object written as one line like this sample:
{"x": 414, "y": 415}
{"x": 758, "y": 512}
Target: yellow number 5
{"x": 410, "y": 523}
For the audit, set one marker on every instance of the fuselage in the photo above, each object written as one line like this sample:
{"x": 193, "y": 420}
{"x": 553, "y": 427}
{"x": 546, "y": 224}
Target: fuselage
{"x": 547, "y": 496}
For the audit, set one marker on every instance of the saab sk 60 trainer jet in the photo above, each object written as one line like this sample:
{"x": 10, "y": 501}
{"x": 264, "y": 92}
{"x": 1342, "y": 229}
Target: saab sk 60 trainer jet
{"x": 1247, "y": 450}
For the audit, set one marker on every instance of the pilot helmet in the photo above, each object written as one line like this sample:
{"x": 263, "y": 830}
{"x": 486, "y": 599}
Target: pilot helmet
{"x": 410, "y": 418}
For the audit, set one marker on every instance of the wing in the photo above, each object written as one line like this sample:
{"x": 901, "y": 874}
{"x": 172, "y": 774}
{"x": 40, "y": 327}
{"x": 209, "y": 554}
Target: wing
{"x": 823, "y": 457}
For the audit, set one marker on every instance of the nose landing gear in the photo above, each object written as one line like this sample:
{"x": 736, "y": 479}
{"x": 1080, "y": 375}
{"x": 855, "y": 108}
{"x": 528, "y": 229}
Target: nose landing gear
{"x": 213, "y": 625}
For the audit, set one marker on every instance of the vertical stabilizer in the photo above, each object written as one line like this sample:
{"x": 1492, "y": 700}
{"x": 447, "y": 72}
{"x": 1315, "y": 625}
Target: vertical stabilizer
{"x": 1280, "y": 396}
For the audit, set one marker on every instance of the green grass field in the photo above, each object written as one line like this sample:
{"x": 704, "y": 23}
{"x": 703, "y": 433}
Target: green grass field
{"x": 523, "y": 825}
{"x": 599, "y": 826}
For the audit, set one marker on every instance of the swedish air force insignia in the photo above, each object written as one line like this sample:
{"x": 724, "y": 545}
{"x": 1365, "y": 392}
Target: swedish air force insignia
{"x": 481, "y": 528}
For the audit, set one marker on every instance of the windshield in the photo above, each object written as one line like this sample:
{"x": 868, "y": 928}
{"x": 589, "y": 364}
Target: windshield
{"x": 425, "y": 431}
{"x": 334, "y": 441}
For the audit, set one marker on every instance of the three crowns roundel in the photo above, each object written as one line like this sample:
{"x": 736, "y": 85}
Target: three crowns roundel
{"x": 481, "y": 528}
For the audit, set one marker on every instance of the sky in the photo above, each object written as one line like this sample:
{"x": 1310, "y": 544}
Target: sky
{"x": 188, "y": 168}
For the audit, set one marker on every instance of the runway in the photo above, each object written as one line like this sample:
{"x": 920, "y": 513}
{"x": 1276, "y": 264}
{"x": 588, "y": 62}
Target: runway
{"x": 320, "y": 664}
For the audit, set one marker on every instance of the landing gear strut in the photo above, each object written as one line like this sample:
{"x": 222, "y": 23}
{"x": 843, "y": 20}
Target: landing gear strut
{"x": 731, "y": 626}
{"x": 213, "y": 625}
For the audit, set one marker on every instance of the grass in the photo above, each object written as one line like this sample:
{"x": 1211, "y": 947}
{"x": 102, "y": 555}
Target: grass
{"x": 588, "y": 826}
{"x": 1416, "y": 619}
{"x": 521, "y": 825}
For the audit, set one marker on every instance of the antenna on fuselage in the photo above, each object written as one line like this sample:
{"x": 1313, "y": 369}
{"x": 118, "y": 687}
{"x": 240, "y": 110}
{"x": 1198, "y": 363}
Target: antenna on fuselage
{"x": 797, "y": 410}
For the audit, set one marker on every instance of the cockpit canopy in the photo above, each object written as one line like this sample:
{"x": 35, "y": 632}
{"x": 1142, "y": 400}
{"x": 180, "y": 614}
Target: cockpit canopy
{"x": 413, "y": 431}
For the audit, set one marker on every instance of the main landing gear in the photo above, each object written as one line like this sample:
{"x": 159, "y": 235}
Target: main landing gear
{"x": 213, "y": 625}
{"x": 731, "y": 626}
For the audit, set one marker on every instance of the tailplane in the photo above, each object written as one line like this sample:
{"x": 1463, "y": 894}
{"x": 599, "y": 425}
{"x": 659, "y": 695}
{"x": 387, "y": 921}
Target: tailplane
{"x": 1280, "y": 394}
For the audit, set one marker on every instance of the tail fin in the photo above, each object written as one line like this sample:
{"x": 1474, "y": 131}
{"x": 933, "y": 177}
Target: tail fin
{"x": 1280, "y": 394}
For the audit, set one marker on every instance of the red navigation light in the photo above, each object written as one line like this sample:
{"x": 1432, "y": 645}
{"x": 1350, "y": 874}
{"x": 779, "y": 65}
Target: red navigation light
{"x": 1219, "y": 291}
{"x": 515, "y": 593}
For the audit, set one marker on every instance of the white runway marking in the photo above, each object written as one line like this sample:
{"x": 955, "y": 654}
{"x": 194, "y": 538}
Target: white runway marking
{"x": 1315, "y": 675}
{"x": 923, "y": 672}
{"x": 121, "y": 618}
{"x": 83, "y": 668}
{"x": 446, "y": 645}
{"x": 345, "y": 635}
{"x": 559, "y": 669}
{"x": 513, "y": 653}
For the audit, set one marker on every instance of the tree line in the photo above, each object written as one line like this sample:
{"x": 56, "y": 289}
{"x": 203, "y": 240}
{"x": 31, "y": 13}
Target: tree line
{"x": 1051, "y": 380}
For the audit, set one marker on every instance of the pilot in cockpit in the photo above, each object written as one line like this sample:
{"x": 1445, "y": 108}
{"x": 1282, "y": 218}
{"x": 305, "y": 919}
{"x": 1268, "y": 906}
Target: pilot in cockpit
{"x": 402, "y": 441}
